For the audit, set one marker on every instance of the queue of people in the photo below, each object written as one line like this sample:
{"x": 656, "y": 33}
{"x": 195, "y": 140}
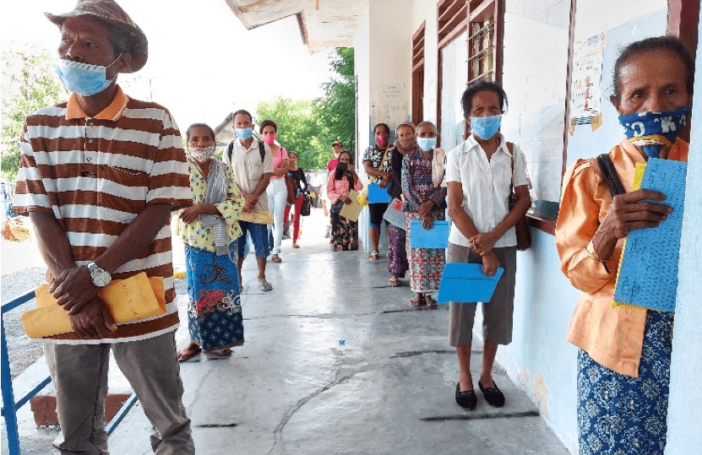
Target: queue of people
{"x": 623, "y": 356}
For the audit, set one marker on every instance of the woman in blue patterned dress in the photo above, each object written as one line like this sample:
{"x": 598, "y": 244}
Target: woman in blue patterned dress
{"x": 424, "y": 193}
{"x": 209, "y": 229}
{"x": 624, "y": 355}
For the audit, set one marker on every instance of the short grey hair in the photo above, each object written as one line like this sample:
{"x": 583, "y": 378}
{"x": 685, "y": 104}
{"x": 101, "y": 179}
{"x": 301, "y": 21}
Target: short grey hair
{"x": 425, "y": 123}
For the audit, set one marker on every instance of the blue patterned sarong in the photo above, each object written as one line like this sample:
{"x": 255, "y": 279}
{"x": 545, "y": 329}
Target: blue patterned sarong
{"x": 214, "y": 306}
{"x": 621, "y": 415}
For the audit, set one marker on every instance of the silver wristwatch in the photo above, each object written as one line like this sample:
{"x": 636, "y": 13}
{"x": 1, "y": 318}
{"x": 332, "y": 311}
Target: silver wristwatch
{"x": 100, "y": 277}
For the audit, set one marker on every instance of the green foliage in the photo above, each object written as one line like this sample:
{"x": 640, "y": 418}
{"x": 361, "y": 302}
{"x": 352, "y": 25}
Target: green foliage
{"x": 33, "y": 86}
{"x": 298, "y": 130}
{"x": 336, "y": 110}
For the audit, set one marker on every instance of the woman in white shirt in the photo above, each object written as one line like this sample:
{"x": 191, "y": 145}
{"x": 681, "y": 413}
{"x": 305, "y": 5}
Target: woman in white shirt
{"x": 480, "y": 174}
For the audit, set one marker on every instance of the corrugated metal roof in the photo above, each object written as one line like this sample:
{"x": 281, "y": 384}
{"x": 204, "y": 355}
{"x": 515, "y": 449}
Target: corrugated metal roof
{"x": 323, "y": 23}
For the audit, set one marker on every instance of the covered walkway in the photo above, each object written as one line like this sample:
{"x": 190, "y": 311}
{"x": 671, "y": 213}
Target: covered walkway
{"x": 294, "y": 388}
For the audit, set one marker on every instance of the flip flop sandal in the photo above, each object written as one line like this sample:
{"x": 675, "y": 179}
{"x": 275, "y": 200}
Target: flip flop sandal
{"x": 295, "y": 245}
{"x": 265, "y": 286}
{"x": 429, "y": 300}
{"x": 186, "y": 354}
{"x": 416, "y": 302}
{"x": 276, "y": 259}
{"x": 394, "y": 282}
{"x": 374, "y": 256}
{"x": 219, "y": 354}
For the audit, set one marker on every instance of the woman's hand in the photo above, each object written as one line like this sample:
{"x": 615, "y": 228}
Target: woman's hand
{"x": 350, "y": 168}
{"x": 347, "y": 200}
{"x": 490, "y": 264}
{"x": 192, "y": 213}
{"x": 425, "y": 208}
{"x": 628, "y": 212}
{"x": 427, "y": 222}
{"x": 385, "y": 179}
{"x": 483, "y": 242}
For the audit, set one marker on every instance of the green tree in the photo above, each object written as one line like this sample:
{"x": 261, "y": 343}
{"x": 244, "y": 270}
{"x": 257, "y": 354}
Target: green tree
{"x": 298, "y": 130}
{"x": 32, "y": 86}
{"x": 336, "y": 110}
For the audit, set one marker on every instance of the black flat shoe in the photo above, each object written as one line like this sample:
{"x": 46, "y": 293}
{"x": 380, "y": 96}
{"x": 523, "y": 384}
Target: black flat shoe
{"x": 467, "y": 399}
{"x": 492, "y": 395}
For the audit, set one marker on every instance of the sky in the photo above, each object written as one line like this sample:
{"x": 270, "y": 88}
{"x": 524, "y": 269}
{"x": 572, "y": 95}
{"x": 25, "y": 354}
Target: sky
{"x": 203, "y": 64}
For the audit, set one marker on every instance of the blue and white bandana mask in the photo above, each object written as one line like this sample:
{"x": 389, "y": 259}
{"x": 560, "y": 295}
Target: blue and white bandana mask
{"x": 83, "y": 78}
{"x": 485, "y": 127}
{"x": 653, "y": 130}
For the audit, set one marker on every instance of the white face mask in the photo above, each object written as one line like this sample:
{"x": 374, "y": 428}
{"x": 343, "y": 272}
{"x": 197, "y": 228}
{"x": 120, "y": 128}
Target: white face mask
{"x": 200, "y": 153}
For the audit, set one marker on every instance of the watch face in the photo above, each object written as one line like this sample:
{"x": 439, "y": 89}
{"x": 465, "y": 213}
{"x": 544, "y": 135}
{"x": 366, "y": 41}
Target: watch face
{"x": 101, "y": 278}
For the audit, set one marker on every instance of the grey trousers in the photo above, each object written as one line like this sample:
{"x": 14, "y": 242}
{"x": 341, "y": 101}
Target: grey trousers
{"x": 498, "y": 313}
{"x": 79, "y": 373}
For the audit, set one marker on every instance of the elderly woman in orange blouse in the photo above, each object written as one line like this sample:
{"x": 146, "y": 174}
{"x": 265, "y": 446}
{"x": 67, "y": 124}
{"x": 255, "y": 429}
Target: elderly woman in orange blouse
{"x": 624, "y": 356}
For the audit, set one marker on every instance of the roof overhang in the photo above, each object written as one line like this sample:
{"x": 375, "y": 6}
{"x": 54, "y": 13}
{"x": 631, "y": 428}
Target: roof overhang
{"x": 323, "y": 23}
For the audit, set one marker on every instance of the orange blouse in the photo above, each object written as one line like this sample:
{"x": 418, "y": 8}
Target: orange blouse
{"x": 613, "y": 337}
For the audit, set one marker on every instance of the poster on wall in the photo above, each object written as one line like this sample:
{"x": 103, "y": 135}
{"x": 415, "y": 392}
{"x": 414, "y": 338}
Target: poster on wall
{"x": 586, "y": 89}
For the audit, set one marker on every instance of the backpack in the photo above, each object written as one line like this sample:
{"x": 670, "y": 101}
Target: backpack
{"x": 261, "y": 151}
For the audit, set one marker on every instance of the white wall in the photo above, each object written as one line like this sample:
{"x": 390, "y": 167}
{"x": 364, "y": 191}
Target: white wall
{"x": 685, "y": 406}
{"x": 383, "y": 56}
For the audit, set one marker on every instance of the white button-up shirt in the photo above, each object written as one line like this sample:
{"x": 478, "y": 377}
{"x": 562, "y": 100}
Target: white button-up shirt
{"x": 486, "y": 186}
{"x": 248, "y": 169}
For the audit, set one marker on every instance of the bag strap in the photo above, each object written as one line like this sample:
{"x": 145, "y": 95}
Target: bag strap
{"x": 510, "y": 147}
{"x": 610, "y": 175}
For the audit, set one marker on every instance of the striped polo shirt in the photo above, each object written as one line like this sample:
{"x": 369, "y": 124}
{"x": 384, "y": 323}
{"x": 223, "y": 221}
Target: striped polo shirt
{"x": 95, "y": 175}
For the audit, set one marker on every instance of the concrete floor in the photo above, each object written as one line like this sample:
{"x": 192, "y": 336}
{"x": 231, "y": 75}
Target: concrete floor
{"x": 293, "y": 388}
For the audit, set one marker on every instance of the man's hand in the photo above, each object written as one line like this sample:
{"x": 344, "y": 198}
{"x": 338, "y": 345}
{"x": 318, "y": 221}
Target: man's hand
{"x": 94, "y": 320}
{"x": 250, "y": 198}
{"x": 73, "y": 289}
{"x": 427, "y": 222}
{"x": 490, "y": 264}
{"x": 425, "y": 208}
{"x": 483, "y": 242}
{"x": 192, "y": 213}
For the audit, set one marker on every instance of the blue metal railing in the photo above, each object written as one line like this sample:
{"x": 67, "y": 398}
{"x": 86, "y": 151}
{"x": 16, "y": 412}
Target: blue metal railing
{"x": 10, "y": 406}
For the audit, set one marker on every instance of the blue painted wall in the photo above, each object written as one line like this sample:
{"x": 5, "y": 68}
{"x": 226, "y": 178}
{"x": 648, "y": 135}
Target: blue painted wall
{"x": 685, "y": 406}
{"x": 539, "y": 359}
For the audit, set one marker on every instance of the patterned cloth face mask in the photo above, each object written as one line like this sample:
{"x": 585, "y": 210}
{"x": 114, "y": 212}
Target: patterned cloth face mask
{"x": 201, "y": 153}
{"x": 653, "y": 130}
{"x": 83, "y": 78}
{"x": 485, "y": 127}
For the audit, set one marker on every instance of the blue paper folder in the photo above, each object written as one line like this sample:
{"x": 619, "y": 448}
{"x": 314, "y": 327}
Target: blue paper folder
{"x": 434, "y": 238}
{"x": 466, "y": 283}
{"x": 377, "y": 195}
{"x": 648, "y": 276}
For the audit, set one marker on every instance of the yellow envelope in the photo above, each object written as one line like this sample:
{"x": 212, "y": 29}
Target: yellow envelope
{"x": 353, "y": 210}
{"x": 257, "y": 217}
{"x": 135, "y": 298}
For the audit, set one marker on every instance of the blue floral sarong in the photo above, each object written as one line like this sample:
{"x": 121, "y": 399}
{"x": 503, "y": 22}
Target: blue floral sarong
{"x": 214, "y": 307}
{"x": 621, "y": 415}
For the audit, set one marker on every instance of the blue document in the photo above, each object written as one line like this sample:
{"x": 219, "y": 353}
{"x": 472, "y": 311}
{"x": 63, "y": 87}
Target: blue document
{"x": 466, "y": 283}
{"x": 648, "y": 275}
{"x": 434, "y": 238}
{"x": 377, "y": 195}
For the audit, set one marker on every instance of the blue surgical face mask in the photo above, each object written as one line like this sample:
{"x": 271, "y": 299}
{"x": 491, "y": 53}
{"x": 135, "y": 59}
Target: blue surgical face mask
{"x": 83, "y": 78}
{"x": 648, "y": 129}
{"x": 244, "y": 133}
{"x": 426, "y": 143}
{"x": 485, "y": 127}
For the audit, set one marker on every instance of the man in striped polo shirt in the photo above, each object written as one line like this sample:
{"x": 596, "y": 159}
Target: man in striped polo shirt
{"x": 99, "y": 178}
